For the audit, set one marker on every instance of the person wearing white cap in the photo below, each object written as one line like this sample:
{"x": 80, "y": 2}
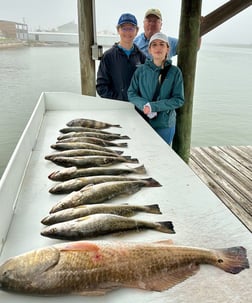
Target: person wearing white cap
{"x": 152, "y": 24}
{"x": 118, "y": 63}
{"x": 157, "y": 89}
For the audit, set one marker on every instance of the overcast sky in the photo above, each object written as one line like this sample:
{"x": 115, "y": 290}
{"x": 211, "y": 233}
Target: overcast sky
{"x": 49, "y": 14}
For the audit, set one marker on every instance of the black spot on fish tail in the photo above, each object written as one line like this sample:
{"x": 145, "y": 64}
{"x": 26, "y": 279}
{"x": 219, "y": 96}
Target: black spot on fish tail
{"x": 233, "y": 259}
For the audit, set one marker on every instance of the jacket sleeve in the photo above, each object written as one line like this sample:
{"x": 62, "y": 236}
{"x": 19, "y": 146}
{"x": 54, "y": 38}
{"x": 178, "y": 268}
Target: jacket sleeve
{"x": 176, "y": 95}
{"x": 104, "y": 85}
{"x": 134, "y": 92}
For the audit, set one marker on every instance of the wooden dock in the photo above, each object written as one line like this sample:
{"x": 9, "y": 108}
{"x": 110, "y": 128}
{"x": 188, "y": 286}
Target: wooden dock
{"x": 227, "y": 171}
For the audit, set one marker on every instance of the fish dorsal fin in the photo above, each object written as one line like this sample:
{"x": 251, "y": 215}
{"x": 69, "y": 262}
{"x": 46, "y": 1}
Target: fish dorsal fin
{"x": 166, "y": 280}
{"x": 79, "y": 246}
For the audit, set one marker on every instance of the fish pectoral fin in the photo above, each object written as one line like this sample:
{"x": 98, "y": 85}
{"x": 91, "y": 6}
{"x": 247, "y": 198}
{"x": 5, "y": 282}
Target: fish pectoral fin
{"x": 166, "y": 279}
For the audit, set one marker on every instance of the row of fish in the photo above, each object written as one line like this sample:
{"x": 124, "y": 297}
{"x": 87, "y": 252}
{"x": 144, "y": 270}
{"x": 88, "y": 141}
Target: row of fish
{"x": 97, "y": 267}
{"x": 90, "y": 180}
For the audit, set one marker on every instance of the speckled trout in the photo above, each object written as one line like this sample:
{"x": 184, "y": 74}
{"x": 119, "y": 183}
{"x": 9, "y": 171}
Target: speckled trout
{"x": 81, "y": 152}
{"x": 79, "y": 145}
{"x": 126, "y": 210}
{"x": 78, "y": 129}
{"x": 96, "y": 134}
{"x": 91, "y": 123}
{"x": 96, "y": 225}
{"x": 67, "y": 187}
{"x": 74, "y": 172}
{"x": 96, "y": 267}
{"x": 99, "y": 193}
{"x": 92, "y": 161}
{"x": 93, "y": 140}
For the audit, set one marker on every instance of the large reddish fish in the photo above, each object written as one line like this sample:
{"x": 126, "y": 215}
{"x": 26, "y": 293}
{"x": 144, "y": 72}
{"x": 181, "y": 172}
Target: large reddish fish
{"x": 86, "y": 268}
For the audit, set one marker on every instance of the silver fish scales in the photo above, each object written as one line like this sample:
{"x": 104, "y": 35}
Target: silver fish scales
{"x": 78, "y": 183}
{"x": 99, "y": 193}
{"x": 92, "y": 161}
{"x": 100, "y": 224}
{"x": 74, "y": 172}
{"x": 126, "y": 210}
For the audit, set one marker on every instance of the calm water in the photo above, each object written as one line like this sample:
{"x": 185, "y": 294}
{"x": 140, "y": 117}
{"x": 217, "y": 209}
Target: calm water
{"x": 222, "y": 113}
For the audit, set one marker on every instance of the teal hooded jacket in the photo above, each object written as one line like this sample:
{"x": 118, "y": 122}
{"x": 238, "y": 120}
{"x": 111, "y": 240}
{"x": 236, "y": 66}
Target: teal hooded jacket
{"x": 171, "y": 96}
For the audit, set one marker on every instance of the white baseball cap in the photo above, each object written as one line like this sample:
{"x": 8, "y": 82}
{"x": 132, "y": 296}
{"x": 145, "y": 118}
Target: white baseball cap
{"x": 159, "y": 36}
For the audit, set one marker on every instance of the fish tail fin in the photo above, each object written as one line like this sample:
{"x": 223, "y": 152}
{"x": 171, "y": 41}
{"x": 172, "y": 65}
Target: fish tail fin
{"x": 140, "y": 169}
{"x": 133, "y": 160}
{"x": 165, "y": 227}
{"x": 150, "y": 182}
{"x": 233, "y": 259}
{"x": 115, "y": 125}
{"x": 121, "y": 144}
{"x": 129, "y": 159}
{"x": 153, "y": 209}
{"x": 118, "y": 152}
{"x": 124, "y": 137}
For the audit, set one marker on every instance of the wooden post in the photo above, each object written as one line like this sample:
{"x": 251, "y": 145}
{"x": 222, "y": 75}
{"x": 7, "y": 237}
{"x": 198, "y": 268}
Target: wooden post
{"x": 86, "y": 40}
{"x": 187, "y": 56}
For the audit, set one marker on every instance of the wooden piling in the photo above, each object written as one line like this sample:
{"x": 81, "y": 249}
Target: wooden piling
{"x": 187, "y": 55}
{"x": 86, "y": 40}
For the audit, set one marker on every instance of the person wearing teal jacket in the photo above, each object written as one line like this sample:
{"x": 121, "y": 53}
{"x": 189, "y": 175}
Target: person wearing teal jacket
{"x": 157, "y": 89}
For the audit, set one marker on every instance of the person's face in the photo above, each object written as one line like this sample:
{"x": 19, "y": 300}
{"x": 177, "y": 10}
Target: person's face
{"x": 159, "y": 50}
{"x": 152, "y": 25}
{"x": 127, "y": 32}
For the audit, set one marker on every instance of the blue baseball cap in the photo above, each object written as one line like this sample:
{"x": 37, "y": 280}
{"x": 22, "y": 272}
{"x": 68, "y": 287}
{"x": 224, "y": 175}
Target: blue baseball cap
{"x": 127, "y": 18}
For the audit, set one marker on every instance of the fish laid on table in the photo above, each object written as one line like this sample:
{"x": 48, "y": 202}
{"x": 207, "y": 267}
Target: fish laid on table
{"x": 101, "y": 192}
{"x": 107, "y": 136}
{"x": 78, "y": 129}
{"x": 79, "y": 145}
{"x": 126, "y": 210}
{"x": 91, "y": 123}
{"x": 97, "y": 267}
{"x": 93, "y": 140}
{"x": 92, "y": 161}
{"x": 74, "y": 172}
{"x": 101, "y": 224}
{"x": 81, "y": 152}
{"x": 68, "y": 186}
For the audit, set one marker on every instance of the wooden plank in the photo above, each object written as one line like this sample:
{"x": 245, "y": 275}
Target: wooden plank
{"x": 223, "y": 195}
{"x": 227, "y": 172}
{"x": 226, "y": 175}
{"x": 239, "y": 155}
{"x": 232, "y": 166}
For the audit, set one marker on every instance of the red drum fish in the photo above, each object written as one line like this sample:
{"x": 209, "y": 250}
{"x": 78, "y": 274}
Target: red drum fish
{"x": 97, "y": 267}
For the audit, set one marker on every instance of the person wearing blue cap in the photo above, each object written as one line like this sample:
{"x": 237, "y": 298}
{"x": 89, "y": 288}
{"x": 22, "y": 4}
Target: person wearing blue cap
{"x": 118, "y": 63}
{"x": 157, "y": 88}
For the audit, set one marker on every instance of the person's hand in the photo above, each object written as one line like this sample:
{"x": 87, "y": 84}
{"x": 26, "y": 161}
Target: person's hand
{"x": 146, "y": 109}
